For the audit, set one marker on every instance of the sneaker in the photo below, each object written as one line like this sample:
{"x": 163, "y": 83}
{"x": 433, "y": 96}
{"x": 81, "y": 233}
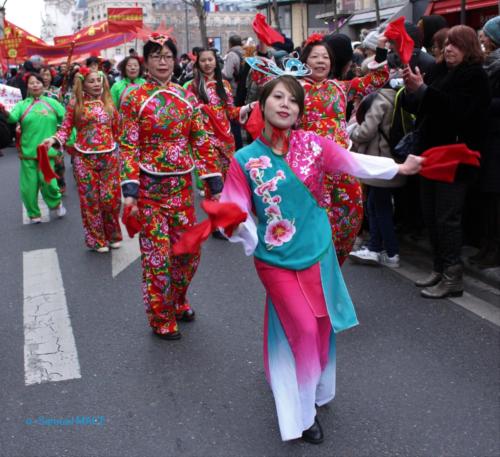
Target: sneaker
{"x": 36, "y": 220}
{"x": 391, "y": 262}
{"x": 115, "y": 245}
{"x": 102, "y": 249}
{"x": 61, "y": 211}
{"x": 365, "y": 257}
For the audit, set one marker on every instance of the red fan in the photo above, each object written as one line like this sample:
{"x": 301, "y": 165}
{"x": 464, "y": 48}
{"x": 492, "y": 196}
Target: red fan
{"x": 264, "y": 32}
{"x": 220, "y": 215}
{"x": 396, "y": 32}
{"x": 441, "y": 162}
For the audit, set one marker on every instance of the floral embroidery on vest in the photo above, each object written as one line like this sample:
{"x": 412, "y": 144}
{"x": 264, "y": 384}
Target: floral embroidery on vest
{"x": 278, "y": 230}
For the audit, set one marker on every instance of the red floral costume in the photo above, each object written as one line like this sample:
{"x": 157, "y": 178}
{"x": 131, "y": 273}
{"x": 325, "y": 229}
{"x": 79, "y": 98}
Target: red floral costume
{"x": 325, "y": 114}
{"x": 96, "y": 169}
{"x": 162, "y": 140}
{"x": 216, "y": 115}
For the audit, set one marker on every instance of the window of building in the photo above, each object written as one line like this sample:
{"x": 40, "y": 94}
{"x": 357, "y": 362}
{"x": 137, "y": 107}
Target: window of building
{"x": 285, "y": 17}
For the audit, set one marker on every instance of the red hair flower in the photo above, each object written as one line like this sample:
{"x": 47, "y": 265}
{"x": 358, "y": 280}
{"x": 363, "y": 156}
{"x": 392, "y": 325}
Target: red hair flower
{"x": 84, "y": 72}
{"x": 315, "y": 38}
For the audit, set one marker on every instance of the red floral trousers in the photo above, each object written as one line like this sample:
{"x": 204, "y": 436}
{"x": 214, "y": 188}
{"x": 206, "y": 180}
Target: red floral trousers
{"x": 343, "y": 200}
{"x": 98, "y": 180}
{"x": 166, "y": 209}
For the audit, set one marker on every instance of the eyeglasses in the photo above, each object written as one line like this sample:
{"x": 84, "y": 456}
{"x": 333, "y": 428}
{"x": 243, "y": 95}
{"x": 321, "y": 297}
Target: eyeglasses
{"x": 160, "y": 57}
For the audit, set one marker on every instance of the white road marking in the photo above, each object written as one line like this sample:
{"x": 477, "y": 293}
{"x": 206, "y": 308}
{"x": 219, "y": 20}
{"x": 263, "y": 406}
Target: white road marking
{"x": 469, "y": 302}
{"x": 49, "y": 345}
{"x": 44, "y": 209}
{"x": 126, "y": 255}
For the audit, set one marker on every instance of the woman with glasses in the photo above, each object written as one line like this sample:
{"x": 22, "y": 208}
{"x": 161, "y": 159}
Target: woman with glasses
{"x": 163, "y": 140}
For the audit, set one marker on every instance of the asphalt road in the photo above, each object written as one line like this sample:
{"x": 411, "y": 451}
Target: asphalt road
{"x": 417, "y": 378}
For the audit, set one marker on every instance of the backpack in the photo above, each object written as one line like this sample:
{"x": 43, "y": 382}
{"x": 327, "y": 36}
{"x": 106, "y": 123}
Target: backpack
{"x": 402, "y": 123}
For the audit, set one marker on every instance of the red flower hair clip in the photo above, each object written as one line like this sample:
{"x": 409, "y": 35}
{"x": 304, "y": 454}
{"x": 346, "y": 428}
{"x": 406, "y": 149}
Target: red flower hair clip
{"x": 83, "y": 72}
{"x": 315, "y": 38}
{"x": 26, "y": 76}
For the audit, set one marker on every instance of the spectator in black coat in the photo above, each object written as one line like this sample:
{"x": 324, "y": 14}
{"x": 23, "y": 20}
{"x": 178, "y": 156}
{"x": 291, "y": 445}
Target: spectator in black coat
{"x": 452, "y": 109}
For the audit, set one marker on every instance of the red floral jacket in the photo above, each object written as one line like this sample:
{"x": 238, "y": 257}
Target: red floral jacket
{"x": 326, "y": 103}
{"x": 96, "y": 131}
{"x": 163, "y": 134}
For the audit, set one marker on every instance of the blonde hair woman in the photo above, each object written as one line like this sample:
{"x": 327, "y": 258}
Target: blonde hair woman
{"x": 96, "y": 160}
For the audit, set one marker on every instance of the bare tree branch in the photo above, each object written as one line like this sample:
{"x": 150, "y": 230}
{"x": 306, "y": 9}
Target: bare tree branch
{"x": 199, "y": 8}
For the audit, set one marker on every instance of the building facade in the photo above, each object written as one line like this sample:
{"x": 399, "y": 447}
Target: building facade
{"x": 58, "y": 19}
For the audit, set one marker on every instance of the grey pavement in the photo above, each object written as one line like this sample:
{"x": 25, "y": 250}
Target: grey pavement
{"x": 417, "y": 378}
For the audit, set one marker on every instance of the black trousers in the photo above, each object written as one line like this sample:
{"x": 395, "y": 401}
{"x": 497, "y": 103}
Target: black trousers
{"x": 442, "y": 209}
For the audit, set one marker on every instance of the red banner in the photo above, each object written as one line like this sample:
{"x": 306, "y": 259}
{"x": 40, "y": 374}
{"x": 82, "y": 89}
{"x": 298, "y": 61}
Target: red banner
{"x": 121, "y": 20}
{"x": 15, "y": 41}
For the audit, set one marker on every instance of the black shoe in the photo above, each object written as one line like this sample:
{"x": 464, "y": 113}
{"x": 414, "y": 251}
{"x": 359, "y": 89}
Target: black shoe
{"x": 218, "y": 235}
{"x": 168, "y": 336}
{"x": 186, "y": 316}
{"x": 313, "y": 434}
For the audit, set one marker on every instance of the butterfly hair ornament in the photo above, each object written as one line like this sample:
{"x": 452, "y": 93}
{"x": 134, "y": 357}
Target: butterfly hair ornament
{"x": 291, "y": 66}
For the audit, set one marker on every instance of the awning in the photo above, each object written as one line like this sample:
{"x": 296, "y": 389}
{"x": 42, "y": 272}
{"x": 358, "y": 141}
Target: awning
{"x": 368, "y": 16}
{"x": 454, "y": 6}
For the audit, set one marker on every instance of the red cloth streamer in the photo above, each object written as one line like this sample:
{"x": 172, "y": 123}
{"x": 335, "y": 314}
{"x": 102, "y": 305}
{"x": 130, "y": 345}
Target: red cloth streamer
{"x": 396, "y": 32}
{"x": 255, "y": 122}
{"x": 264, "y": 32}
{"x": 220, "y": 215}
{"x": 441, "y": 162}
{"x": 216, "y": 124}
{"x": 42, "y": 155}
{"x": 131, "y": 223}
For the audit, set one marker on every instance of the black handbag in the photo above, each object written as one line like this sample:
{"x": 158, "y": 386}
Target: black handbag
{"x": 406, "y": 146}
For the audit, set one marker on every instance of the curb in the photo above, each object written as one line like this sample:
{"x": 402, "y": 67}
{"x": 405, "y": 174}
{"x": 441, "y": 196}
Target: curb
{"x": 490, "y": 276}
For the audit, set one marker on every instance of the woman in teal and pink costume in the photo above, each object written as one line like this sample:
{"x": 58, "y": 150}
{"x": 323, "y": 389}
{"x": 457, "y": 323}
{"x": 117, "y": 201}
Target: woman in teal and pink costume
{"x": 279, "y": 177}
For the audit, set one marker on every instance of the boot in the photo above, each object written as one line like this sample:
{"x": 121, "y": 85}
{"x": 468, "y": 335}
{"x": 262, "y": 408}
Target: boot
{"x": 451, "y": 285}
{"x": 430, "y": 280}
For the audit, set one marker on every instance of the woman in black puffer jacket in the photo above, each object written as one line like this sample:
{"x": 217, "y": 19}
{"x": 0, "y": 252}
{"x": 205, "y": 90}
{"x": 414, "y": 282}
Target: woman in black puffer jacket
{"x": 451, "y": 109}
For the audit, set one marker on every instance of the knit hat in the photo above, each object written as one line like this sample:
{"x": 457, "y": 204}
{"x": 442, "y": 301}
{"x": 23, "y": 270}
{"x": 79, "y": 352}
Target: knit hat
{"x": 371, "y": 41}
{"x": 492, "y": 29}
{"x": 341, "y": 48}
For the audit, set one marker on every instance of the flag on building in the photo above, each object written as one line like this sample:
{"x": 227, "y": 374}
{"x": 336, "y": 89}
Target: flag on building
{"x": 210, "y": 6}
{"x": 121, "y": 20}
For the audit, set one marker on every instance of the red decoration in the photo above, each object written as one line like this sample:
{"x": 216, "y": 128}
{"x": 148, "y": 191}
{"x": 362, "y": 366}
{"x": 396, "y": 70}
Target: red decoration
{"x": 255, "y": 122}
{"x": 220, "y": 215}
{"x": 131, "y": 223}
{"x": 122, "y": 20}
{"x": 264, "y": 32}
{"x": 216, "y": 124}
{"x": 441, "y": 162}
{"x": 315, "y": 38}
{"x": 42, "y": 155}
{"x": 84, "y": 72}
{"x": 396, "y": 32}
